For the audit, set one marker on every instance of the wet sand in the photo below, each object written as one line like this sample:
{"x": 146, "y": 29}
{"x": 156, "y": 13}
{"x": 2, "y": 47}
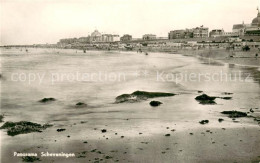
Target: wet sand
{"x": 205, "y": 144}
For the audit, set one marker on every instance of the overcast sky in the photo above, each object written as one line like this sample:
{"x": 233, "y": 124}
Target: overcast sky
{"x": 46, "y": 21}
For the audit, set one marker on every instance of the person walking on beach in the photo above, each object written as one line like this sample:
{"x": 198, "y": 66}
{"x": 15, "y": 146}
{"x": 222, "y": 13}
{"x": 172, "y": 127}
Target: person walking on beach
{"x": 256, "y": 55}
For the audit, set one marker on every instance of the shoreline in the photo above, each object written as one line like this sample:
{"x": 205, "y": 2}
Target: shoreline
{"x": 224, "y": 55}
{"x": 221, "y": 55}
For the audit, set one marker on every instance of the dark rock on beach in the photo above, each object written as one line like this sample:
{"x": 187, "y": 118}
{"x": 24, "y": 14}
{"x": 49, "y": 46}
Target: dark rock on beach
{"x": 234, "y": 114}
{"x": 23, "y": 127}
{"x": 155, "y": 103}
{"x": 103, "y": 130}
{"x": 226, "y": 98}
{"x": 209, "y": 100}
{"x": 205, "y": 99}
{"x": 204, "y": 122}
{"x": 61, "y": 129}
{"x": 30, "y": 159}
{"x": 108, "y": 157}
{"x": 140, "y": 95}
{"x": 81, "y": 104}
{"x": 93, "y": 150}
{"x": 44, "y": 100}
{"x": 220, "y": 120}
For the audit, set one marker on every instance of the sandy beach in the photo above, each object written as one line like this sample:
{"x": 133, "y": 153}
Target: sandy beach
{"x": 105, "y": 131}
{"x": 239, "y": 57}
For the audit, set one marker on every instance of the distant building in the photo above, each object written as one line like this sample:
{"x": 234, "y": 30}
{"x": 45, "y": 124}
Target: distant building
{"x": 192, "y": 43}
{"x": 239, "y": 28}
{"x": 149, "y": 37}
{"x": 252, "y": 44}
{"x": 180, "y": 34}
{"x": 137, "y": 39}
{"x": 200, "y": 32}
{"x": 96, "y": 36}
{"x": 68, "y": 41}
{"x": 126, "y": 37}
{"x": 234, "y": 39}
{"x": 84, "y": 39}
{"x": 116, "y": 38}
{"x": 216, "y": 33}
{"x": 107, "y": 38}
{"x": 231, "y": 34}
{"x": 252, "y": 29}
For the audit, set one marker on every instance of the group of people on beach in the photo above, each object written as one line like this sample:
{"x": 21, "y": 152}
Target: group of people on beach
{"x": 140, "y": 51}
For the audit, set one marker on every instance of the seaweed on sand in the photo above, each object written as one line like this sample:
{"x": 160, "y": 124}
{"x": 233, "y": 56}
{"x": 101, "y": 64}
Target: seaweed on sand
{"x": 205, "y": 99}
{"x": 103, "y": 130}
{"x": 227, "y": 93}
{"x": 23, "y": 127}
{"x": 30, "y": 159}
{"x": 81, "y": 104}
{"x": 155, "y": 103}
{"x": 44, "y": 100}
{"x": 108, "y": 157}
{"x": 204, "y": 122}
{"x": 226, "y": 98}
{"x": 234, "y": 114}
{"x": 60, "y": 129}
{"x": 140, "y": 95}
